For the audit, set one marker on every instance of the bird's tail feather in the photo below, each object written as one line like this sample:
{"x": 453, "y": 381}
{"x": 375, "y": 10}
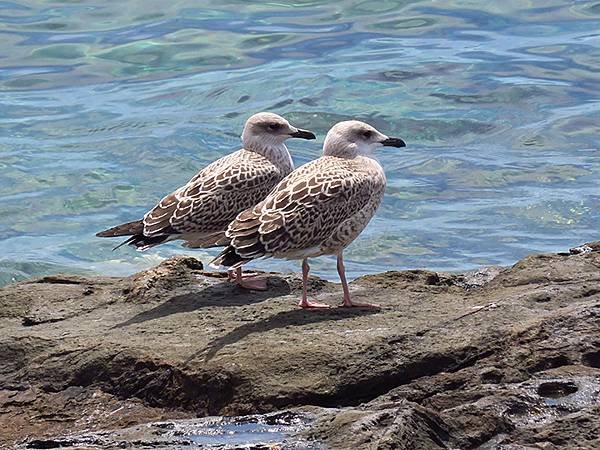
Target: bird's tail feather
{"x": 229, "y": 258}
{"x": 142, "y": 242}
{"x": 125, "y": 229}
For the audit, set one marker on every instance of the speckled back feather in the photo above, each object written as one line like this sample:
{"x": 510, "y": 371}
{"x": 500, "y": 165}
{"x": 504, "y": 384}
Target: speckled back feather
{"x": 212, "y": 198}
{"x": 318, "y": 209}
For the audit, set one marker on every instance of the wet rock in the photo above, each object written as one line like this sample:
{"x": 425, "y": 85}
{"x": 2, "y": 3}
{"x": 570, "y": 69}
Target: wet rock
{"x": 479, "y": 277}
{"x": 556, "y": 389}
{"x": 256, "y": 432}
{"x": 498, "y": 358}
{"x": 403, "y": 426}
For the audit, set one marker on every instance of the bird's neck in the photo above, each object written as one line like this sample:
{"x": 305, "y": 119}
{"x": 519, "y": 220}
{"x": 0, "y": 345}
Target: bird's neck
{"x": 276, "y": 152}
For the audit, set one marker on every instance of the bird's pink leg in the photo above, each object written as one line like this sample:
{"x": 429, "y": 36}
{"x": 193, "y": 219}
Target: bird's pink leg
{"x": 347, "y": 302}
{"x": 251, "y": 281}
{"x": 304, "y": 303}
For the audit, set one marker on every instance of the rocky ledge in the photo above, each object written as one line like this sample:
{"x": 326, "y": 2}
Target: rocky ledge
{"x": 502, "y": 358}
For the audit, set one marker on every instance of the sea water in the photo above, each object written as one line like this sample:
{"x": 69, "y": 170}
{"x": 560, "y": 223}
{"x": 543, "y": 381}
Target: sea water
{"x": 107, "y": 106}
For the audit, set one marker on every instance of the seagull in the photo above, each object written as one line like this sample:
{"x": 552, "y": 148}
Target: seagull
{"x": 318, "y": 209}
{"x": 199, "y": 212}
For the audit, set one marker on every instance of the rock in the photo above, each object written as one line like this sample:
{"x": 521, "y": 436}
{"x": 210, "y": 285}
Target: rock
{"x": 403, "y": 426}
{"x": 256, "y": 432}
{"x": 498, "y": 358}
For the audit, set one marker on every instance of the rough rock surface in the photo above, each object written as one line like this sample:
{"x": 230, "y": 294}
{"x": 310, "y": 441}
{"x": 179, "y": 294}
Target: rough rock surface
{"x": 497, "y": 359}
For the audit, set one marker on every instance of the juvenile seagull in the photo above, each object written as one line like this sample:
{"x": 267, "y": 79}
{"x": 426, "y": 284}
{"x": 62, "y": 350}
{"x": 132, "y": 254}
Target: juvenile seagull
{"x": 200, "y": 211}
{"x": 318, "y": 209}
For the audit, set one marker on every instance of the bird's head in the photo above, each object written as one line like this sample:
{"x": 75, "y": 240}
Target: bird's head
{"x": 266, "y": 129}
{"x": 352, "y": 138}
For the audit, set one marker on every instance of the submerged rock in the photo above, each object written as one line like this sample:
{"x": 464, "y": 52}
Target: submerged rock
{"x": 493, "y": 359}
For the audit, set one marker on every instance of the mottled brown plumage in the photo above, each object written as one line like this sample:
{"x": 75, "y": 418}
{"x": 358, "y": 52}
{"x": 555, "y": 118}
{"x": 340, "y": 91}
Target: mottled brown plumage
{"x": 200, "y": 211}
{"x": 320, "y": 208}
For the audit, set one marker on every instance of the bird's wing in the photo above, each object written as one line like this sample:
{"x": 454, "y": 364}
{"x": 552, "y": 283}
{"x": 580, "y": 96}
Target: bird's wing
{"x": 304, "y": 210}
{"x": 212, "y": 198}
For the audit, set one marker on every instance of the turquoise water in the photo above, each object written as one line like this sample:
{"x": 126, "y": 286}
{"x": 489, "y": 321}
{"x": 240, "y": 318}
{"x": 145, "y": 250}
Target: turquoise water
{"x": 106, "y": 106}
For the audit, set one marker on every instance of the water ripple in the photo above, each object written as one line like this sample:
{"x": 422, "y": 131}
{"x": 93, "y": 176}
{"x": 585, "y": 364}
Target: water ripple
{"x": 498, "y": 102}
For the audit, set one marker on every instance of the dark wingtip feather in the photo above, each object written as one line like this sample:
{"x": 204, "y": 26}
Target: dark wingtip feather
{"x": 142, "y": 242}
{"x": 125, "y": 229}
{"x": 228, "y": 258}
{"x": 127, "y": 241}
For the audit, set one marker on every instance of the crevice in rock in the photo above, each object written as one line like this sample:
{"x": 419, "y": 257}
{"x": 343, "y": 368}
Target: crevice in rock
{"x": 550, "y": 362}
{"x": 28, "y": 321}
{"x": 158, "y": 385}
{"x": 591, "y": 359}
{"x": 556, "y": 389}
{"x": 366, "y": 390}
{"x": 58, "y": 279}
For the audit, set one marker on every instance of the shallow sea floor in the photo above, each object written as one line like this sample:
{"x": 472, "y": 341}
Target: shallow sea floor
{"x": 107, "y": 106}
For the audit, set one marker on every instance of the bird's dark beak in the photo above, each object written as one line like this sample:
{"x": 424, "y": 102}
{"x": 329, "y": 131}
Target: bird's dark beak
{"x": 394, "y": 142}
{"x": 303, "y": 134}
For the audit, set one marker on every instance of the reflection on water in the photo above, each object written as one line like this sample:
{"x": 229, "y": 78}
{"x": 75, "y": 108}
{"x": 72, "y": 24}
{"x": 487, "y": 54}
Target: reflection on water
{"x": 105, "y": 106}
{"x": 277, "y": 430}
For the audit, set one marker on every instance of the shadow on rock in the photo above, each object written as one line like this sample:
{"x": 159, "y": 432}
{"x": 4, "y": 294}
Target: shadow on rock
{"x": 221, "y": 294}
{"x": 283, "y": 319}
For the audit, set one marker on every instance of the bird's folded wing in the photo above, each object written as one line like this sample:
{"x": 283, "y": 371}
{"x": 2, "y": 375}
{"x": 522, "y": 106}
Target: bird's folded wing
{"x": 212, "y": 198}
{"x": 303, "y": 211}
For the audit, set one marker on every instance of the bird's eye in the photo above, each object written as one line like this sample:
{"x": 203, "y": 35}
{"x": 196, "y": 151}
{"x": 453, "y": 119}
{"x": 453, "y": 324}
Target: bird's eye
{"x": 274, "y": 126}
{"x": 367, "y": 134}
